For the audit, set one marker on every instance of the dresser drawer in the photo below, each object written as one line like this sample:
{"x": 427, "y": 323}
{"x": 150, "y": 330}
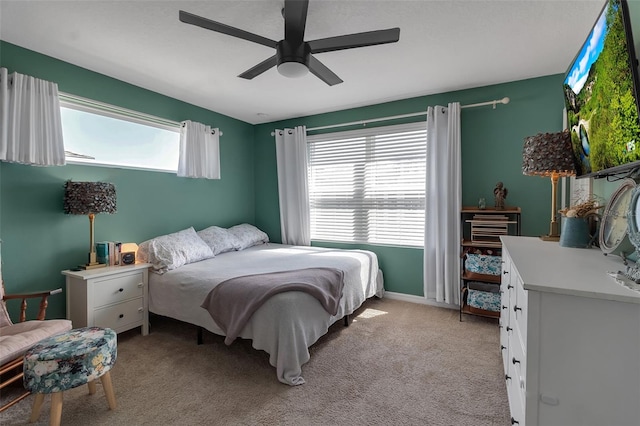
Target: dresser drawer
{"x": 120, "y": 316}
{"x": 518, "y": 360}
{"x": 519, "y": 309}
{"x": 117, "y": 289}
{"x": 516, "y": 402}
{"x": 504, "y": 340}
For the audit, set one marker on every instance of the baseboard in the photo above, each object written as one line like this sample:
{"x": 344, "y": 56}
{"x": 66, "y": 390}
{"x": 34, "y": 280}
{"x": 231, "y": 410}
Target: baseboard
{"x": 418, "y": 299}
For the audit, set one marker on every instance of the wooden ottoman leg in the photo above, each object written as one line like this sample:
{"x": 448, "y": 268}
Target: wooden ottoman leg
{"x": 108, "y": 389}
{"x": 37, "y": 406}
{"x": 56, "y": 409}
{"x": 92, "y": 387}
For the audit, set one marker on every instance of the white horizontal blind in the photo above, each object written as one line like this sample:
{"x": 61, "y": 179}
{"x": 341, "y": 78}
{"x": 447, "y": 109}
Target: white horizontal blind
{"x": 368, "y": 186}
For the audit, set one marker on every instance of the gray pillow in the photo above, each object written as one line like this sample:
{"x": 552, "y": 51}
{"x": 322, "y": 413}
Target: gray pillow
{"x": 220, "y": 240}
{"x": 248, "y": 236}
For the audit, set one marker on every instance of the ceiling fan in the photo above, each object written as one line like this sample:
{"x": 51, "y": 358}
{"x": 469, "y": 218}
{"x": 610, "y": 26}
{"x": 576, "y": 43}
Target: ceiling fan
{"x": 294, "y": 56}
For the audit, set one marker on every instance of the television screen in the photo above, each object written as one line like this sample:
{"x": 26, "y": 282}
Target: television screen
{"x": 601, "y": 97}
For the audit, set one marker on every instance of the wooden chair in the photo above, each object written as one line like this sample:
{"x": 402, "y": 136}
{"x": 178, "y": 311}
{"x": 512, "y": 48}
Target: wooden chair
{"x": 16, "y": 339}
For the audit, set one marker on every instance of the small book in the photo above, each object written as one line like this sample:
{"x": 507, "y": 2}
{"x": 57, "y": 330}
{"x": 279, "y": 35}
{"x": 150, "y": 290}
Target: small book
{"x": 111, "y": 253}
{"x": 102, "y": 252}
{"x": 117, "y": 251}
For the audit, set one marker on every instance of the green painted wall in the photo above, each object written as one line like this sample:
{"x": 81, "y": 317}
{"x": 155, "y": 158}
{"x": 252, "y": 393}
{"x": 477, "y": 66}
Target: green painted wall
{"x": 491, "y": 152}
{"x": 39, "y": 240}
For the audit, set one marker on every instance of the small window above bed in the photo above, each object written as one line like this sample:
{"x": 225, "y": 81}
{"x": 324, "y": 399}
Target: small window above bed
{"x": 105, "y": 135}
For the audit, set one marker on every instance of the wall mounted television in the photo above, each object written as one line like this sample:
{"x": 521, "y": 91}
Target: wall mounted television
{"x": 601, "y": 97}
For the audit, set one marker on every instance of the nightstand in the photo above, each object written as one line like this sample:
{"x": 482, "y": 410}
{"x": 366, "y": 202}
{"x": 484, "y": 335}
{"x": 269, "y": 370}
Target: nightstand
{"x": 115, "y": 297}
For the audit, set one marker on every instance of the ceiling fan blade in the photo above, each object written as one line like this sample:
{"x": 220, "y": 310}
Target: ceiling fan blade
{"x": 295, "y": 20}
{"x": 260, "y": 68}
{"x": 350, "y": 41}
{"x": 318, "y": 69}
{"x": 199, "y": 21}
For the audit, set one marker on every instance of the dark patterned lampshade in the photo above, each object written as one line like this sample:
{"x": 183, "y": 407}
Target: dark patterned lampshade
{"x": 546, "y": 154}
{"x": 549, "y": 154}
{"x": 89, "y": 198}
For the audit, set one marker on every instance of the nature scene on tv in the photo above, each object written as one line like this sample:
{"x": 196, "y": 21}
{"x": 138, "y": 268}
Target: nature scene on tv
{"x": 600, "y": 98}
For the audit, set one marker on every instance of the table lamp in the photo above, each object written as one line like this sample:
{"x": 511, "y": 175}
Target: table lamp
{"x": 90, "y": 198}
{"x": 549, "y": 154}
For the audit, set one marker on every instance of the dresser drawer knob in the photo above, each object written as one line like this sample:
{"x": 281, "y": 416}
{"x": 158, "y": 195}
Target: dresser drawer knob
{"x": 505, "y": 307}
{"x": 503, "y": 347}
{"x": 505, "y": 272}
{"x": 515, "y": 361}
{"x": 121, "y": 290}
{"x": 507, "y": 377}
{"x": 509, "y": 287}
{"x": 516, "y": 308}
{"x": 140, "y": 285}
{"x": 514, "y": 421}
{"x": 509, "y": 328}
{"x": 121, "y": 316}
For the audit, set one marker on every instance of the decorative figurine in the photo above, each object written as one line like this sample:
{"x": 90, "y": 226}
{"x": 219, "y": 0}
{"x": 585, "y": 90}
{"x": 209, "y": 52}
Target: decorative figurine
{"x": 482, "y": 204}
{"x": 501, "y": 193}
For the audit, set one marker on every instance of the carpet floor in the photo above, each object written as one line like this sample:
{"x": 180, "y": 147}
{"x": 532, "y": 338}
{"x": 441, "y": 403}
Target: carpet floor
{"x": 398, "y": 363}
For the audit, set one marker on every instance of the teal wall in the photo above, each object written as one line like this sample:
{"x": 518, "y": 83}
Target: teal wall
{"x": 491, "y": 152}
{"x": 38, "y": 240}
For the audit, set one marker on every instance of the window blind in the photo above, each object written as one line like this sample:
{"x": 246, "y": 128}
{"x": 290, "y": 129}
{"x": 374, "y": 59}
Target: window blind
{"x": 368, "y": 185}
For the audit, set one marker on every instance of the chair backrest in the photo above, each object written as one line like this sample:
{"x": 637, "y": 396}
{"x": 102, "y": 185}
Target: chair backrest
{"x": 5, "y": 320}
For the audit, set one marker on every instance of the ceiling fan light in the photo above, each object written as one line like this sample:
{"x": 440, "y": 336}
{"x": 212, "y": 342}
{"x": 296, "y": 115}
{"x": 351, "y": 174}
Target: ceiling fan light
{"x": 292, "y": 69}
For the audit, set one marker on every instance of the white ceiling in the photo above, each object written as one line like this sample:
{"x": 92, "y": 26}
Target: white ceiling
{"x": 444, "y": 45}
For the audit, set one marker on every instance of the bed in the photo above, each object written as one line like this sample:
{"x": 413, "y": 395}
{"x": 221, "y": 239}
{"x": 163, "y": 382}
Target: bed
{"x": 288, "y": 323}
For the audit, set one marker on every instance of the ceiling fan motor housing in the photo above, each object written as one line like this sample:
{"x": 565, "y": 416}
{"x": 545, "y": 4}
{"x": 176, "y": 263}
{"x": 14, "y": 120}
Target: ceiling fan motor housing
{"x": 292, "y": 58}
{"x": 289, "y": 52}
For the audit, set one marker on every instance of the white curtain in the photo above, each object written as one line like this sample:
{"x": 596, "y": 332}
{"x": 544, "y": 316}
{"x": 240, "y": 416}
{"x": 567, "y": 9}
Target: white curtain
{"x": 293, "y": 187}
{"x": 199, "y": 151}
{"x": 443, "y": 204}
{"x": 30, "y": 123}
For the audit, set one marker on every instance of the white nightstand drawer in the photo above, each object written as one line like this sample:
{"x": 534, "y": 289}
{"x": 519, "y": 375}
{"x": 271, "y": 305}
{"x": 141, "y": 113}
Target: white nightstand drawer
{"x": 117, "y": 289}
{"x": 120, "y": 316}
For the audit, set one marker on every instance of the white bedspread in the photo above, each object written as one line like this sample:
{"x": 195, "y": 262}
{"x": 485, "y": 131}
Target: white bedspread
{"x": 288, "y": 323}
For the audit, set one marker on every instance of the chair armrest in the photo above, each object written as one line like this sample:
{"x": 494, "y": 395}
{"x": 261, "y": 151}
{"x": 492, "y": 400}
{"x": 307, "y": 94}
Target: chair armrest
{"x": 43, "y": 295}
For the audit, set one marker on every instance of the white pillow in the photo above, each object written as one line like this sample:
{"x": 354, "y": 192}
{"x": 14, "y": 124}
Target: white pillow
{"x": 220, "y": 240}
{"x": 171, "y": 251}
{"x": 248, "y": 236}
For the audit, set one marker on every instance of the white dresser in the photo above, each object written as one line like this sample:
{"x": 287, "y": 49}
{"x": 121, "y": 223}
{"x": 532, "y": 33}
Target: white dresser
{"x": 115, "y": 297}
{"x": 569, "y": 336}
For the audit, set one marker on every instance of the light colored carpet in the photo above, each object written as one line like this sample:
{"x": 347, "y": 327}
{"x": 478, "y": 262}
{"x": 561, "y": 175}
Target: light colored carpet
{"x": 398, "y": 363}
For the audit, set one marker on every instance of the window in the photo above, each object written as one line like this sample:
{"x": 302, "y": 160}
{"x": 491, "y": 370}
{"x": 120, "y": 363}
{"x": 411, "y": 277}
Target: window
{"x": 368, "y": 186}
{"x": 105, "y": 135}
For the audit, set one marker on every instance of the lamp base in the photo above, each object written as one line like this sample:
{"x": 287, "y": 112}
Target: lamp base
{"x": 92, "y": 265}
{"x": 550, "y": 238}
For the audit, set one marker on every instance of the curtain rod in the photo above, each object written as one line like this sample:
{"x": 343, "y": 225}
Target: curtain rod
{"x": 140, "y": 116}
{"x": 504, "y": 100}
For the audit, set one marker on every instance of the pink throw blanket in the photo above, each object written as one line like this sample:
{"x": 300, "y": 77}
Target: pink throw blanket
{"x": 232, "y": 302}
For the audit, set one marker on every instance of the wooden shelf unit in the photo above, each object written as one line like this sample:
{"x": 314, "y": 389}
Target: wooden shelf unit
{"x": 482, "y": 229}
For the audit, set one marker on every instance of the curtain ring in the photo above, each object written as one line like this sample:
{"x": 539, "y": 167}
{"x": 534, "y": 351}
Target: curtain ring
{"x": 290, "y": 131}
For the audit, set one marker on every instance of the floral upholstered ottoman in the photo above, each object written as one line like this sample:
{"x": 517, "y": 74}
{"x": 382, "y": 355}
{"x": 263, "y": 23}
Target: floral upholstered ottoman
{"x": 68, "y": 360}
